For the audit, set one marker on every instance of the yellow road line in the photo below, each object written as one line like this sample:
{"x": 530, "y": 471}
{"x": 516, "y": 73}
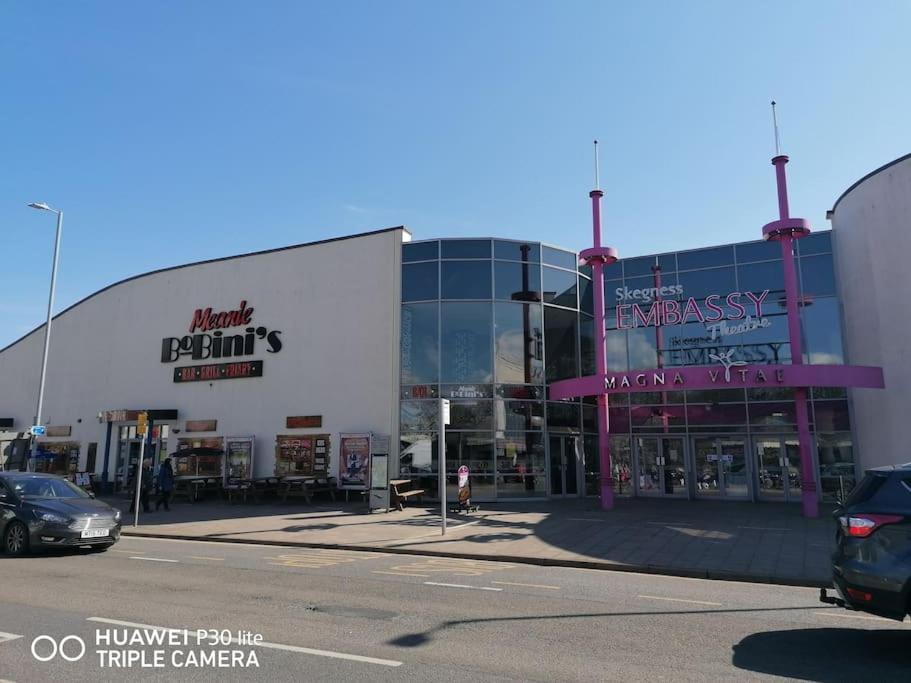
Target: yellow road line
{"x": 527, "y": 585}
{"x": 203, "y": 557}
{"x": 423, "y": 576}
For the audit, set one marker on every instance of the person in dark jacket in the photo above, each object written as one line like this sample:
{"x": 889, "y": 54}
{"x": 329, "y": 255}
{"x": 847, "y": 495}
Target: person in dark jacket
{"x": 145, "y": 484}
{"x": 165, "y": 484}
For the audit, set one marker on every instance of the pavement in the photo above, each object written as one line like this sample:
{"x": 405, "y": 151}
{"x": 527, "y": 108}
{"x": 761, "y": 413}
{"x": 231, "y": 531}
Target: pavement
{"x": 766, "y": 542}
{"x": 341, "y": 615}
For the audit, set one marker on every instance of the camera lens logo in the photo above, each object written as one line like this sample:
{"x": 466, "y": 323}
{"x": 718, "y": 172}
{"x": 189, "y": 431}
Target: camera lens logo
{"x": 46, "y": 648}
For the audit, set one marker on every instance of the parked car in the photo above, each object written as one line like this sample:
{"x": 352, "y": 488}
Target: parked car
{"x": 871, "y": 566}
{"x": 44, "y": 510}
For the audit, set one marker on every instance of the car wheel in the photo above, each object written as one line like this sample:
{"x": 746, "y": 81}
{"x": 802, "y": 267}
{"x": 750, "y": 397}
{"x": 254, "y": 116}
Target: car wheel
{"x": 15, "y": 540}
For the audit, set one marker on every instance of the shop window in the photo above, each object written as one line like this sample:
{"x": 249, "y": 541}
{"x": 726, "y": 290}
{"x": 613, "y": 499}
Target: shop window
{"x": 419, "y": 454}
{"x": 715, "y": 396}
{"x": 466, "y": 280}
{"x": 822, "y": 332}
{"x": 817, "y": 243}
{"x": 773, "y": 414}
{"x": 519, "y": 339}
{"x": 771, "y": 394}
{"x": 560, "y": 344}
{"x": 560, "y": 287}
{"x": 587, "y": 344}
{"x": 618, "y": 418}
{"x": 701, "y": 283}
{"x": 757, "y": 277}
{"x": 465, "y": 249}
{"x": 420, "y": 281}
{"x": 701, "y": 415}
{"x": 831, "y": 416}
{"x": 420, "y": 251}
{"x": 836, "y": 465}
{"x": 758, "y": 251}
{"x": 420, "y": 343}
{"x": 517, "y": 251}
{"x": 563, "y": 415}
{"x": 589, "y": 418}
{"x": 520, "y": 465}
{"x": 558, "y": 257}
{"x": 642, "y": 350}
{"x": 517, "y": 281}
{"x": 817, "y": 275}
{"x": 518, "y": 415}
{"x": 476, "y": 451}
{"x": 662, "y": 416}
{"x": 471, "y": 414}
{"x": 419, "y": 416}
{"x": 705, "y": 258}
{"x": 829, "y": 392}
{"x": 617, "y": 360}
{"x": 643, "y": 265}
{"x": 621, "y": 463}
{"x": 467, "y": 330}
{"x": 656, "y": 397}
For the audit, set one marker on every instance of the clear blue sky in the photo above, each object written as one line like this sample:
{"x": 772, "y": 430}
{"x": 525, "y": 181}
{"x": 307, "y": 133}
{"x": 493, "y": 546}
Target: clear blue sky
{"x": 173, "y": 132}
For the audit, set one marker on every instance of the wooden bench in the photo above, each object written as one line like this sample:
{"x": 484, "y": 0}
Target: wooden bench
{"x": 238, "y": 488}
{"x": 399, "y": 492}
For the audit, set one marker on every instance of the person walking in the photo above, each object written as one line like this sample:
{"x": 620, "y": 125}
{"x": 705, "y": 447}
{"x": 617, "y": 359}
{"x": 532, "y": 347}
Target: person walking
{"x": 165, "y": 484}
{"x": 145, "y": 484}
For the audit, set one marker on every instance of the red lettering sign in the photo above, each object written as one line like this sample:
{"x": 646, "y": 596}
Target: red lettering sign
{"x": 204, "y": 319}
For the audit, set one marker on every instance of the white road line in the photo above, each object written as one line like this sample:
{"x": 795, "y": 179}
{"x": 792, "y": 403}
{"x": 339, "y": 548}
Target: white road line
{"x": 203, "y": 557}
{"x": 529, "y": 585}
{"x": 844, "y": 615}
{"x": 691, "y": 602}
{"x": 6, "y": 637}
{"x": 264, "y": 644}
{"x": 461, "y": 585}
{"x": 151, "y": 559}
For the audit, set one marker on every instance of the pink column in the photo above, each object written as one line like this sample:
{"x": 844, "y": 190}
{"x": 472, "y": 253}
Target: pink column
{"x": 787, "y": 230}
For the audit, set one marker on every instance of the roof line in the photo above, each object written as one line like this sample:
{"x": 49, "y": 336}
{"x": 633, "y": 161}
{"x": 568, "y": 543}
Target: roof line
{"x": 867, "y": 177}
{"x": 200, "y": 263}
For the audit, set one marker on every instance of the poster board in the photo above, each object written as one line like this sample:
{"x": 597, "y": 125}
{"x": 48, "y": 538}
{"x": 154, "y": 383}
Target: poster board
{"x": 238, "y": 458}
{"x": 354, "y": 461}
{"x": 378, "y": 497}
{"x": 306, "y": 456}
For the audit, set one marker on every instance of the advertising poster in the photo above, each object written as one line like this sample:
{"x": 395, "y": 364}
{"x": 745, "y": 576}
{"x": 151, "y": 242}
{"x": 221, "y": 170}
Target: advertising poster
{"x": 239, "y": 456}
{"x": 306, "y": 456}
{"x": 354, "y": 461}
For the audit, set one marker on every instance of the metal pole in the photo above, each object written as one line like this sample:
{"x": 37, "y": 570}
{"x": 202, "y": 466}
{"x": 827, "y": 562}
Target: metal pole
{"x": 142, "y": 450}
{"x": 47, "y": 334}
{"x": 442, "y": 469}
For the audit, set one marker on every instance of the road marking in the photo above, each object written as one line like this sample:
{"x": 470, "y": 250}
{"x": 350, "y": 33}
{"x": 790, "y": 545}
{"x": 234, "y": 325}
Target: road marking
{"x": 317, "y": 559}
{"x": 461, "y": 585}
{"x": 842, "y": 615}
{"x": 264, "y": 644}
{"x": 691, "y": 602}
{"x": 763, "y": 528}
{"x": 127, "y": 552}
{"x": 152, "y": 559}
{"x": 423, "y": 576}
{"x": 203, "y": 557}
{"x": 221, "y": 544}
{"x": 452, "y": 565}
{"x": 528, "y": 585}
{"x": 6, "y": 637}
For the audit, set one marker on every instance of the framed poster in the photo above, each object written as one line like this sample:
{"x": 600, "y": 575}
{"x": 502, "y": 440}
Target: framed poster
{"x": 306, "y": 456}
{"x": 354, "y": 461}
{"x": 238, "y": 458}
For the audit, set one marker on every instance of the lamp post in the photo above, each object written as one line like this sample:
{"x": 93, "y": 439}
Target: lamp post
{"x": 47, "y": 330}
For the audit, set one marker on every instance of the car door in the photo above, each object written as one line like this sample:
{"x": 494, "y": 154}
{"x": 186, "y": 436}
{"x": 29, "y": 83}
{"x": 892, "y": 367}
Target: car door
{"x": 7, "y": 506}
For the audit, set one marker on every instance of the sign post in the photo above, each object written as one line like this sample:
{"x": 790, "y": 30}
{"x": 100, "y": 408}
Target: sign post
{"x": 444, "y": 420}
{"x": 141, "y": 427}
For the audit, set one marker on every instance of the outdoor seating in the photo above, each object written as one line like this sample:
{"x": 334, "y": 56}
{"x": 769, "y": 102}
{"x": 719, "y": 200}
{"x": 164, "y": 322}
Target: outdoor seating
{"x": 401, "y": 491}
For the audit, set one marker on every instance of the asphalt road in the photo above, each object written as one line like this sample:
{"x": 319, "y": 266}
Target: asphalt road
{"x": 340, "y": 615}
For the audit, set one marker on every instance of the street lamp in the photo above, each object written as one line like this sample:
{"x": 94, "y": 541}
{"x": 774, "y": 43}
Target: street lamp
{"x": 47, "y": 330}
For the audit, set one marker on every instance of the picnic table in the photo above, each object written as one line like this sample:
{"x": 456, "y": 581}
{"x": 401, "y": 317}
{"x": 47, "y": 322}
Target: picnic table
{"x": 400, "y": 491}
{"x": 305, "y": 486}
{"x": 192, "y": 486}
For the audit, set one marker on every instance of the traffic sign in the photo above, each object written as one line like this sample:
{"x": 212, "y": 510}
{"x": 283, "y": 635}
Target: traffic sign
{"x": 445, "y": 409}
{"x": 38, "y": 430}
{"x": 142, "y": 423}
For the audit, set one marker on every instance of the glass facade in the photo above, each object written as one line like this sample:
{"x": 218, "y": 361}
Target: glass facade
{"x": 489, "y": 323}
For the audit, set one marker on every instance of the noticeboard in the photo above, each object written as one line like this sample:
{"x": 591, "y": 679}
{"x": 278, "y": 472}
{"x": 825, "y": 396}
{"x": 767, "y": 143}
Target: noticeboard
{"x": 306, "y": 456}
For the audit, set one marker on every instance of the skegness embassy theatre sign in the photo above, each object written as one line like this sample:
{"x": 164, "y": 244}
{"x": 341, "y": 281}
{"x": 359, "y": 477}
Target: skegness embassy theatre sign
{"x": 213, "y": 336}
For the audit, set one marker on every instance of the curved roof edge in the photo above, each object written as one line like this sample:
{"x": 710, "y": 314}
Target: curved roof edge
{"x": 867, "y": 177}
{"x": 200, "y": 263}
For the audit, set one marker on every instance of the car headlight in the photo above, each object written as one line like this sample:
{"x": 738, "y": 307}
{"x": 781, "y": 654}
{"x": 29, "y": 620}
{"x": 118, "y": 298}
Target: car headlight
{"x": 52, "y": 517}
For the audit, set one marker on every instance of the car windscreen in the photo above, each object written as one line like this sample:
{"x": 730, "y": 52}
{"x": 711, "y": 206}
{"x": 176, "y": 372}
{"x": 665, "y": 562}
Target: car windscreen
{"x": 45, "y": 487}
{"x": 867, "y": 488}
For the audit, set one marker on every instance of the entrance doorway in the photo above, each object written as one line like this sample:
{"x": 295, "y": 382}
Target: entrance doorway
{"x": 565, "y": 465}
{"x": 661, "y": 465}
{"x": 778, "y": 468}
{"x": 721, "y": 467}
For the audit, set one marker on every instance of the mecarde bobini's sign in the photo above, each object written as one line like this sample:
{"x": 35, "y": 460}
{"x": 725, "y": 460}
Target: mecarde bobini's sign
{"x": 220, "y": 335}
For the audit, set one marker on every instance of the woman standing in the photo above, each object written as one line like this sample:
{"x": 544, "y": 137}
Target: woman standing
{"x": 165, "y": 484}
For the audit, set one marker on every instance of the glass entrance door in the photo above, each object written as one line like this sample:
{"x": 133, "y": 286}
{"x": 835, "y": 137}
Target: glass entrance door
{"x": 778, "y": 468}
{"x": 565, "y": 460}
{"x": 721, "y": 467}
{"x": 661, "y": 463}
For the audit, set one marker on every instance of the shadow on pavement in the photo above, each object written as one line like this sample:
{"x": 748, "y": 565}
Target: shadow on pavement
{"x": 828, "y": 654}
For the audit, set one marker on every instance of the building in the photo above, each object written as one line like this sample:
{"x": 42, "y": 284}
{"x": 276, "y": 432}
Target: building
{"x": 288, "y": 350}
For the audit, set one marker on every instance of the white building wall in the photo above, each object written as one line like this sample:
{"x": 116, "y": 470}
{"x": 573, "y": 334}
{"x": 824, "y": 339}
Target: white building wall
{"x": 871, "y": 229}
{"x": 336, "y": 304}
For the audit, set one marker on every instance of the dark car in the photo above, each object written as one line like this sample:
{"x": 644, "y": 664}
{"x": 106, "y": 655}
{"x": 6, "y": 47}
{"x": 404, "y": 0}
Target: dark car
{"x": 44, "y": 510}
{"x": 871, "y": 566}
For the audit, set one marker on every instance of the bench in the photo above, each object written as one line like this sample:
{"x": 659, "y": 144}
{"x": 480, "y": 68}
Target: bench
{"x": 238, "y": 488}
{"x": 306, "y": 487}
{"x": 400, "y": 493}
